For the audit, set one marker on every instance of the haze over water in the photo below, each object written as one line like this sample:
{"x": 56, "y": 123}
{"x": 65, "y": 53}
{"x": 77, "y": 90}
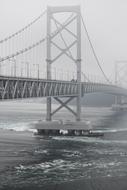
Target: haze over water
{"x": 37, "y": 162}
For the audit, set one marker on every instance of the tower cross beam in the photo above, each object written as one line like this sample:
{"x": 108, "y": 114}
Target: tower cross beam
{"x": 62, "y": 50}
{"x": 64, "y": 9}
{"x": 56, "y": 21}
{"x": 64, "y": 104}
{"x": 63, "y": 27}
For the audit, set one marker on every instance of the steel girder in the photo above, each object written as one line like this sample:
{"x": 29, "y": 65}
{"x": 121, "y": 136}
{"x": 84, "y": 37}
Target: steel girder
{"x": 14, "y": 87}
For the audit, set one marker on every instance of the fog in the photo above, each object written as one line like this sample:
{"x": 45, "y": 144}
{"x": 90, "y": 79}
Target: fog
{"x": 105, "y": 21}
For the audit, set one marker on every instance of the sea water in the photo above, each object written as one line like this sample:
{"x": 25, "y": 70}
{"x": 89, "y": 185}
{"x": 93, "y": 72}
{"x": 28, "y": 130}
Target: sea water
{"x": 62, "y": 159}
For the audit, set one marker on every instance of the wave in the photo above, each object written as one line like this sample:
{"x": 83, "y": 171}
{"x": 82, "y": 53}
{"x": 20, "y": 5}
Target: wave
{"x": 22, "y": 126}
{"x": 107, "y": 130}
{"x": 90, "y": 140}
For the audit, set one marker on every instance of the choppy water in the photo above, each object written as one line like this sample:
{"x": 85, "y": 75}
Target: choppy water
{"x": 62, "y": 159}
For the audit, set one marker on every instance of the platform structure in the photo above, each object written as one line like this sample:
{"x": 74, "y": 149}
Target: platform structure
{"x": 59, "y": 127}
{"x": 120, "y": 103}
{"x": 75, "y": 17}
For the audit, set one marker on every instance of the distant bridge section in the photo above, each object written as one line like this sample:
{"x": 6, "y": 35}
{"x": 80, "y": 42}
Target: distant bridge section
{"x": 15, "y": 88}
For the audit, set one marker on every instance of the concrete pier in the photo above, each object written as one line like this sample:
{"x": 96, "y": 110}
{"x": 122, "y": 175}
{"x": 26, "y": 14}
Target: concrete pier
{"x": 58, "y": 127}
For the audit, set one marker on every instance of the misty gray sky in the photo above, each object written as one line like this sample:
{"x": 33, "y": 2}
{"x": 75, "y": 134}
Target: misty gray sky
{"x": 105, "y": 21}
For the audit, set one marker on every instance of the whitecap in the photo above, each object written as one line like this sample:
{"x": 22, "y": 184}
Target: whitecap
{"x": 21, "y": 126}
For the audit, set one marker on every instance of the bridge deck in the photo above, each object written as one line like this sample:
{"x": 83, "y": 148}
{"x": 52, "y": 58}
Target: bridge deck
{"x": 18, "y": 87}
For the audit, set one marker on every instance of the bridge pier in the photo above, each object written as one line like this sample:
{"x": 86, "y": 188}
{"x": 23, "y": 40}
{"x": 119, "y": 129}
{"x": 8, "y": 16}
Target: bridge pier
{"x": 57, "y": 127}
{"x": 119, "y": 103}
{"x": 49, "y": 108}
{"x": 118, "y": 100}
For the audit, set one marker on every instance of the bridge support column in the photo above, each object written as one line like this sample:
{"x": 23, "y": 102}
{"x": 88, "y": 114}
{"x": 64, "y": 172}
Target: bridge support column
{"x": 78, "y": 118}
{"x": 118, "y": 100}
{"x": 124, "y": 100}
{"x": 64, "y": 51}
{"x": 49, "y": 101}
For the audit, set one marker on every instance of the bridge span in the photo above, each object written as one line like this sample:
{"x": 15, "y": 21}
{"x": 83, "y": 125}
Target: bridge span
{"x": 63, "y": 91}
{"x": 19, "y": 87}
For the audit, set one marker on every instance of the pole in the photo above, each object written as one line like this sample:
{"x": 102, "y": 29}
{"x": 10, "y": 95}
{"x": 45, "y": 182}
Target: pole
{"x": 14, "y": 67}
{"x": 27, "y": 64}
{"x": 116, "y": 81}
{"x": 21, "y": 71}
{"x": 38, "y": 70}
{"x": 0, "y": 68}
{"x": 116, "y": 69}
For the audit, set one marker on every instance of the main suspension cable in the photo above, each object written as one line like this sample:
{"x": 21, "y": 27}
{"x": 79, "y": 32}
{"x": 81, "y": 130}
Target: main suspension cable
{"x": 93, "y": 50}
{"x": 35, "y": 44}
{"x": 23, "y": 29}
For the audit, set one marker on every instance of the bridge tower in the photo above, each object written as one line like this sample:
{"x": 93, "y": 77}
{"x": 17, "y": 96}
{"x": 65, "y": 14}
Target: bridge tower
{"x": 118, "y": 98}
{"x": 51, "y": 11}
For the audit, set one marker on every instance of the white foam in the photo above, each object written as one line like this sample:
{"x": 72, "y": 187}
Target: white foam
{"x": 41, "y": 151}
{"x": 91, "y": 140}
{"x": 22, "y": 126}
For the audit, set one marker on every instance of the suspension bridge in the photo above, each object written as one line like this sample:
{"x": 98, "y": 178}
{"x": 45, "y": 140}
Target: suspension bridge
{"x": 25, "y": 71}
